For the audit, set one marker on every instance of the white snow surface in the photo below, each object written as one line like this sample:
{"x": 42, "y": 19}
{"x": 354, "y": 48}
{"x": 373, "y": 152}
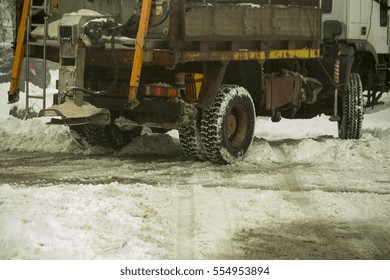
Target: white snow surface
{"x": 301, "y": 193}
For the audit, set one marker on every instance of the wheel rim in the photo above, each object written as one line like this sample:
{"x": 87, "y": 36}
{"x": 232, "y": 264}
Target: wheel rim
{"x": 236, "y": 126}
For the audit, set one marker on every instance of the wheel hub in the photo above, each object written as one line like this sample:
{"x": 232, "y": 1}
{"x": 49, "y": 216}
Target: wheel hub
{"x": 236, "y": 125}
{"x": 231, "y": 126}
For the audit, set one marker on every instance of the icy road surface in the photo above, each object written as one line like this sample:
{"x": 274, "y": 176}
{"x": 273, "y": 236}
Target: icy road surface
{"x": 300, "y": 194}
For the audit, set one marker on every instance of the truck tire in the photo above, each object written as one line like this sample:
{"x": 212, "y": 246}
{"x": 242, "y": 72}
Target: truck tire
{"x": 109, "y": 136}
{"x": 190, "y": 139}
{"x": 228, "y": 126}
{"x": 350, "y": 124}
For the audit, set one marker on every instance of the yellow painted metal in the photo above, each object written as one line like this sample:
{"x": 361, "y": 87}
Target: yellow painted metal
{"x": 139, "y": 52}
{"x": 193, "y": 83}
{"x": 304, "y": 54}
{"x": 19, "y": 54}
{"x": 251, "y": 55}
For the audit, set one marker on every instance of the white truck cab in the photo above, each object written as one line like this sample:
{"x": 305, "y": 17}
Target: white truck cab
{"x": 362, "y": 29}
{"x": 360, "y": 20}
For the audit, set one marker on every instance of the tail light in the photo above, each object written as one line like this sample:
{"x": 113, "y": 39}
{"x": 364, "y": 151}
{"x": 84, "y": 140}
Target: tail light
{"x": 162, "y": 90}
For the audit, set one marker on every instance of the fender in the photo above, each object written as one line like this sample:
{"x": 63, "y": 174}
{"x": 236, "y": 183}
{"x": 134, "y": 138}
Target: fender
{"x": 364, "y": 46}
{"x": 349, "y": 49}
{"x": 324, "y": 69}
{"x": 347, "y": 61}
{"x": 214, "y": 73}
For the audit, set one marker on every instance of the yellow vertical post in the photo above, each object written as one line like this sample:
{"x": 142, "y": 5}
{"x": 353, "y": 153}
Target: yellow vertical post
{"x": 13, "y": 94}
{"x": 139, "y": 52}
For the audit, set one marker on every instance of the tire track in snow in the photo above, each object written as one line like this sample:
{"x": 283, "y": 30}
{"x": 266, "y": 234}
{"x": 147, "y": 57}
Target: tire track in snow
{"x": 185, "y": 224}
{"x": 290, "y": 178}
{"x": 222, "y": 213}
{"x": 376, "y": 243}
{"x": 297, "y": 193}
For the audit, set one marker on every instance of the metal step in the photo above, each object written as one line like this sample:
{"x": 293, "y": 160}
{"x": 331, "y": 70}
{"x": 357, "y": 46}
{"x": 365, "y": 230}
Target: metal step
{"x": 38, "y": 7}
{"x": 37, "y": 25}
{"x": 36, "y": 97}
{"x": 38, "y": 43}
{"x": 45, "y": 6}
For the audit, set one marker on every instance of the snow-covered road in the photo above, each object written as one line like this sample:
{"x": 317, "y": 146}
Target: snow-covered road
{"x": 300, "y": 194}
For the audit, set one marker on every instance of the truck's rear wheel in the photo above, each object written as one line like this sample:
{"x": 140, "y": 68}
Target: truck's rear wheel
{"x": 228, "y": 126}
{"x": 109, "y": 136}
{"x": 350, "y": 125}
{"x": 190, "y": 139}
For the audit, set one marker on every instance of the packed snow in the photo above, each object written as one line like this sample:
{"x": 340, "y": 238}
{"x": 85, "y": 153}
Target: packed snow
{"x": 301, "y": 193}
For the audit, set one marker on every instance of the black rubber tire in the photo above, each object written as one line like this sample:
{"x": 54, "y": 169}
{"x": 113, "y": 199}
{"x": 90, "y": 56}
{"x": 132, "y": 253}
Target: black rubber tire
{"x": 190, "y": 139}
{"x": 350, "y": 124}
{"x": 109, "y": 136}
{"x": 228, "y": 126}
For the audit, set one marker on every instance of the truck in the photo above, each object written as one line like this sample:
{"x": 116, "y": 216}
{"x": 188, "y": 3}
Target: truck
{"x": 206, "y": 68}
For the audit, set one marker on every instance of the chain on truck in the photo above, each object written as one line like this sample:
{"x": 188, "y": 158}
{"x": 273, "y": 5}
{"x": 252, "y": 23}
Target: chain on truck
{"x": 206, "y": 68}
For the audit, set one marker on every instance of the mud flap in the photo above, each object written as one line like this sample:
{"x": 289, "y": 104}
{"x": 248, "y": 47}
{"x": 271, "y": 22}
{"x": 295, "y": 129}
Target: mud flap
{"x": 72, "y": 114}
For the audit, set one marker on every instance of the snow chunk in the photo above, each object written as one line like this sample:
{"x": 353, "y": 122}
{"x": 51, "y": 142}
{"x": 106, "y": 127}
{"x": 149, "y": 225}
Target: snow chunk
{"x": 86, "y": 12}
{"x": 161, "y": 144}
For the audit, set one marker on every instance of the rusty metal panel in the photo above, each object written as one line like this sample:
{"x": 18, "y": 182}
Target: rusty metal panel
{"x": 54, "y": 6}
{"x": 282, "y": 90}
{"x": 202, "y": 22}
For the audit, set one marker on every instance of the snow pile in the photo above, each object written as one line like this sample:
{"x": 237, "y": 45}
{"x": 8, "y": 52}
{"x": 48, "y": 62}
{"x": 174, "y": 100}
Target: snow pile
{"x": 310, "y": 150}
{"x": 31, "y": 134}
{"x": 68, "y": 226}
{"x": 261, "y": 151}
{"x": 151, "y": 143}
{"x": 317, "y": 139}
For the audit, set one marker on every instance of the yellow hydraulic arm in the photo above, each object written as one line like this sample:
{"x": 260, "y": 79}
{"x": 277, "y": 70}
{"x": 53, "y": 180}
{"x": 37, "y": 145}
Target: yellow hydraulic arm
{"x": 139, "y": 52}
{"x": 13, "y": 94}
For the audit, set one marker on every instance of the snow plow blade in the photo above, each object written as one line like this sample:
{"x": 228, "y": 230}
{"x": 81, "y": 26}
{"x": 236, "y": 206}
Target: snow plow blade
{"x": 72, "y": 114}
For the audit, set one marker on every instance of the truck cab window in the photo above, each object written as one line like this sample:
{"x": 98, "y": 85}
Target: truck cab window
{"x": 327, "y": 6}
{"x": 383, "y": 19}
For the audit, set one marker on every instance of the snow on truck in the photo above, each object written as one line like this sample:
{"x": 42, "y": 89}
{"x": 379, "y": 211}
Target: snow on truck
{"x": 206, "y": 68}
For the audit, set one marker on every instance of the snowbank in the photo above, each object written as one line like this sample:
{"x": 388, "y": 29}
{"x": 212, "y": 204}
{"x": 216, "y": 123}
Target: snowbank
{"x": 67, "y": 226}
{"x": 303, "y": 140}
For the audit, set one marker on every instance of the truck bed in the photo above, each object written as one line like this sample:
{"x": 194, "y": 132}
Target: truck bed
{"x": 225, "y": 32}
{"x": 209, "y": 32}
{"x": 245, "y": 22}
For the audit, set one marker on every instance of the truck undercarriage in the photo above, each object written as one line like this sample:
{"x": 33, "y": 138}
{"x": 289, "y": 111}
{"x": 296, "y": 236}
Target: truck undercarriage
{"x": 206, "y": 69}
